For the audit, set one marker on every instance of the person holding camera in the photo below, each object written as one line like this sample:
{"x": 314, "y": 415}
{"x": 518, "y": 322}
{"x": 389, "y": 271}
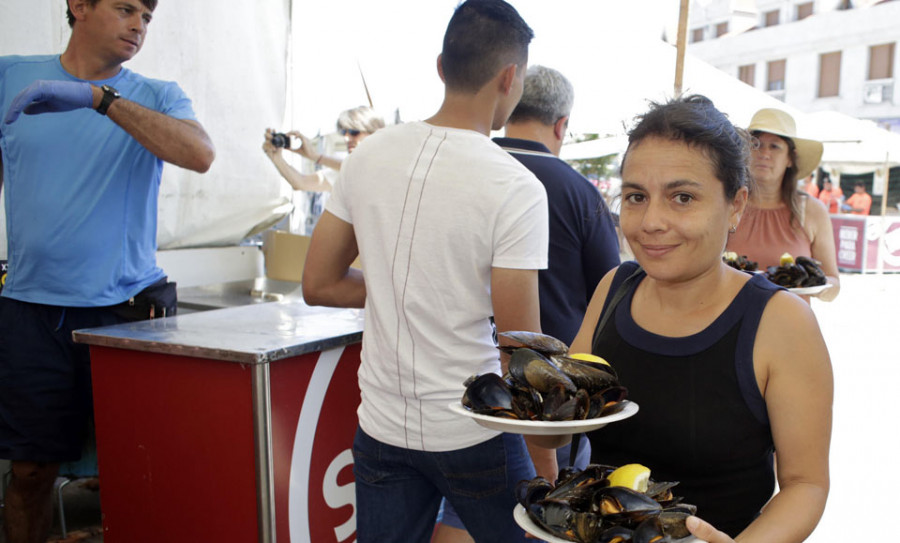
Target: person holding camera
{"x": 354, "y": 124}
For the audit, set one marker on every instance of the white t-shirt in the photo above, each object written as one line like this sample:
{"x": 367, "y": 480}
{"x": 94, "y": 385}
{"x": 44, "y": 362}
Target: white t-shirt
{"x": 433, "y": 210}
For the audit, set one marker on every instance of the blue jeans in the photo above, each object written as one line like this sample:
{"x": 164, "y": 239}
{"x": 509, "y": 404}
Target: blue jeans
{"x": 398, "y": 490}
{"x": 447, "y": 514}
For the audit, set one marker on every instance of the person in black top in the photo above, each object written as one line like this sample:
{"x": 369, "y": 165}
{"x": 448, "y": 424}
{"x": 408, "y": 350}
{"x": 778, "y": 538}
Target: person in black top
{"x": 726, "y": 368}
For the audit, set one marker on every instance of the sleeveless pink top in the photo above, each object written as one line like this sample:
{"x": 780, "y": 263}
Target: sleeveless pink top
{"x": 765, "y": 234}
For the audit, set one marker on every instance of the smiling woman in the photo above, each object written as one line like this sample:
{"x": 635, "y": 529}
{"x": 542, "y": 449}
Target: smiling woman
{"x": 703, "y": 341}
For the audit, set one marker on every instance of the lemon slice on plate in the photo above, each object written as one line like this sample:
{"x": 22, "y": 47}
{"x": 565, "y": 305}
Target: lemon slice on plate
{"x": 787, "y": 259}
{"x": 587, "y": 357}
{"x": 633, "y": 476}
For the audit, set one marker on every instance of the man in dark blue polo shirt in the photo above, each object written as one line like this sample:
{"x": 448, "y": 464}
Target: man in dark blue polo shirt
{"x": 583, "y": 241}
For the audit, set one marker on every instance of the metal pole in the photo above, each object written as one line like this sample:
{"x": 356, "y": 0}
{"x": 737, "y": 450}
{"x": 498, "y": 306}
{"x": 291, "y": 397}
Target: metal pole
{"x": 262, "y": 434}
{"x": 884, "y": 223}
{"x": 681, "y": 46}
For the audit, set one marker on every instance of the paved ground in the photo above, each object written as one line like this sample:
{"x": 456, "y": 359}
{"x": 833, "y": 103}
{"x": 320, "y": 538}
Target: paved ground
{"x": 862, "y": 330}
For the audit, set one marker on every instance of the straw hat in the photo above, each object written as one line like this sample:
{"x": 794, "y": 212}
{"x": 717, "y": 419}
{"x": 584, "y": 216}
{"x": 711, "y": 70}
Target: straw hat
{"x": 775, "y": 121}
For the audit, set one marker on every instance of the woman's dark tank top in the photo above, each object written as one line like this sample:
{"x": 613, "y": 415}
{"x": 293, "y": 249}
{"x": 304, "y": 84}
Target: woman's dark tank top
{"x": 702, "y": 420}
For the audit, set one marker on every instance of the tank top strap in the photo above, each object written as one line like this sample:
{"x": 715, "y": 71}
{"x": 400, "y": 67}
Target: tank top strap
{"x": 622, "y": 273}
{"x": 752, "y": 300}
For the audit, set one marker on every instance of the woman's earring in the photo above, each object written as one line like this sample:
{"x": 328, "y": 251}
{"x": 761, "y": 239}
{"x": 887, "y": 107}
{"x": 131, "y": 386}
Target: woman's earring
{"x": 733, "y": 229}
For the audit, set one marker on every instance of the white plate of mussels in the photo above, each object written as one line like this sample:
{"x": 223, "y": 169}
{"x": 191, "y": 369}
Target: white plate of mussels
{"x": 526, "y": 523}
{"x": 810, "y": 291}
{"x": 545, "y": 428}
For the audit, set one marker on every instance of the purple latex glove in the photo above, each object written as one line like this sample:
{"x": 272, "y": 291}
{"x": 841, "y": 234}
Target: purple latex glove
{"x": 50, "y": 96}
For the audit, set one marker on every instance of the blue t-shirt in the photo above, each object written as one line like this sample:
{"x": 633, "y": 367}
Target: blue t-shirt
{"x": 81, "y": 193}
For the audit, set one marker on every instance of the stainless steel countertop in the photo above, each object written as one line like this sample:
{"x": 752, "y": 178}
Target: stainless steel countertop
{"x": 237, "y": 293}
{"x": 252, "y": 334}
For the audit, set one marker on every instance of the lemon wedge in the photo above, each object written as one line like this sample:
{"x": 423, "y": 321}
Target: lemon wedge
{"x": 787, "y": 259}
{"x": 633, "y": 476}
{"x": 587, "y": 357}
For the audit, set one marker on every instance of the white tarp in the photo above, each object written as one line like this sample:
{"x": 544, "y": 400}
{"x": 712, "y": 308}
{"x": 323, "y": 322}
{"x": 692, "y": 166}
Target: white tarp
{"x": 851, "y": 145}
{"x": 230, "y": 58}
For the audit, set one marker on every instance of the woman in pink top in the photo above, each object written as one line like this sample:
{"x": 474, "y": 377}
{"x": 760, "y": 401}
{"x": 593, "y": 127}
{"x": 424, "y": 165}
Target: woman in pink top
{"x": 780, "y": 219}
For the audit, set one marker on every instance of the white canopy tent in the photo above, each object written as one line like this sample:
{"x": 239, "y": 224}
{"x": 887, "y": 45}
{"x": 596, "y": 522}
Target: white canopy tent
{"x": 851, "y": 145}
{"x": 286, "y": 64}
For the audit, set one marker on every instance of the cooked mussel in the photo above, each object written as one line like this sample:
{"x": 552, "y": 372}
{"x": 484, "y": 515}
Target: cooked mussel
{"x": 488, "y": 394}
{"x": 542, "y": 343}
{"x": 530, "y": 368}
{"x": 663, "y": 528}
{"x": 622, "y": 505}
{"x": 591, "y": 376}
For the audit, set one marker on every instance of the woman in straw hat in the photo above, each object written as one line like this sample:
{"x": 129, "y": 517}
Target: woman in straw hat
{"x": 780, "y": 218}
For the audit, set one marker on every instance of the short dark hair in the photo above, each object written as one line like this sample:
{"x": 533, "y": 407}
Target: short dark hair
{"x": 859, "y": 184}
{"x": 149, "y": 4}
{"x": 481, "y": 38}
{"x": 695, "y": 121}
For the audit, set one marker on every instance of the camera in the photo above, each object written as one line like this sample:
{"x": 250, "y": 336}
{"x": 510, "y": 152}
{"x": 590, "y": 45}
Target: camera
{"x": 281, "y": 140}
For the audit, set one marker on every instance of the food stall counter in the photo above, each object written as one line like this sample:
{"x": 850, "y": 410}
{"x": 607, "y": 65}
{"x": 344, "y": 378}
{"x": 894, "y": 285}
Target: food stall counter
{"x": 228, "y": 425}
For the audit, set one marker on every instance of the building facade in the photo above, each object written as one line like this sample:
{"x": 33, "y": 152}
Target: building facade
{"x": 838, "y": 55}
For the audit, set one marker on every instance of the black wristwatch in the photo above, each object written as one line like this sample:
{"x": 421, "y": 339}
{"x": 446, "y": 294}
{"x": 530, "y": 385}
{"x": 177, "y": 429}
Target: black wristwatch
{"x": 109, "y": 94}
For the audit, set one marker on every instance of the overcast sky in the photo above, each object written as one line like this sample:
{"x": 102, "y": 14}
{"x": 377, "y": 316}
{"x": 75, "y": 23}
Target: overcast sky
{"x": 396, "y": 43}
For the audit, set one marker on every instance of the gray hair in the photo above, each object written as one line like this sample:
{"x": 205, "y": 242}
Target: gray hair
{"x": 548, "y": 96}
{"x": 362, "y": 118}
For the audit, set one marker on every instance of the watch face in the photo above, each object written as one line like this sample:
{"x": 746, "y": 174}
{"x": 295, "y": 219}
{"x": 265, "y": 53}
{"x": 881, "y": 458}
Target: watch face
{"x": 109, "y": 90}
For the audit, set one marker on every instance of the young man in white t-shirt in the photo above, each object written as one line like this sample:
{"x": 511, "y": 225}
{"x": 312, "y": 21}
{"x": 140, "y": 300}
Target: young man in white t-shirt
{"x": 451, "y": 231}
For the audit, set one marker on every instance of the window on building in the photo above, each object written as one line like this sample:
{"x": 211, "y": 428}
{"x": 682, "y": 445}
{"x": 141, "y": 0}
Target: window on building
{"x": 804, "y": 10}
{"x": 829, "y": 74}
{"x": 721, "y": 29}
{"x": 881, "y": 61}
{"x": 747, "y": 74}
{"x": 771, "y": 18}
{"x": 696, "y": 35}
{"x": 775, "y": 76}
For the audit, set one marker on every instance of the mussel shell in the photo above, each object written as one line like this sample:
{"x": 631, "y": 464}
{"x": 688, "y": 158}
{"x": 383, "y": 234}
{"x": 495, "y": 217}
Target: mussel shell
{"x": 526, "y": 403}
{"x": 530, "y": 368}
{"x": 661, "y": 491}
{"x": 615, "y": 534}
{"x": 575, "y": 407}
{"x": 623, "y": 505}
{"x": 570, "y": 478}
{"x": 608, "y": 401}
{"x": 663, "y": 528}
{"x": 530, "y": 491}
{"x": 591, "y": 376}
{"x": 555, "y": 516}
{"x": 542, "y": 343}
{"x": 487, "y": 392}
{"x": 813, "y": 270}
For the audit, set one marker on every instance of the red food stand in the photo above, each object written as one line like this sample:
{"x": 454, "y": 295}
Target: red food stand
{"x": 228, "y": 425}
{"x": 867, "y": 243}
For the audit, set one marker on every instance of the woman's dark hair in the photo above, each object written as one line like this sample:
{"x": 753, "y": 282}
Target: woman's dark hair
{"x": 695, "y": 121}
{"x": 149, "y": 4}
{"x": 482, "y": 37}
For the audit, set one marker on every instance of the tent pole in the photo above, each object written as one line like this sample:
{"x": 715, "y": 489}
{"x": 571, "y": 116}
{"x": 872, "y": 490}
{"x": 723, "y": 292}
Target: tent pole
{"x": 884, "y": 223}
{"x": 681, "y": 46}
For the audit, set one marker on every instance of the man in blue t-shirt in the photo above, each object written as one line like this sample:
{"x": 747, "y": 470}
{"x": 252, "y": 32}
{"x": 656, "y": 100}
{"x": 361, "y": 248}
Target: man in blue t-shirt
{"x": 82, "y": 145}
